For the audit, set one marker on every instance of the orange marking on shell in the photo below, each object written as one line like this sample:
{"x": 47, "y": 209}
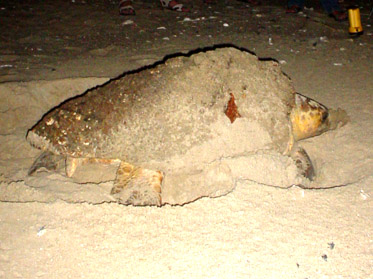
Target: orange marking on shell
{"x": 232, "y": 110}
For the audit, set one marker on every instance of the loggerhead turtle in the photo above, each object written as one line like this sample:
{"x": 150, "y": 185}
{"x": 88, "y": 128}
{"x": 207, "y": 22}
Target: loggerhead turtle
{"x": 185, "y": 128}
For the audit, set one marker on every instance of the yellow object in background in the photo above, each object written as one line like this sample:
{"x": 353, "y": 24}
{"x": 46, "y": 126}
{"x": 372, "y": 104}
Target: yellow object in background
{"x": 355, "y": 21}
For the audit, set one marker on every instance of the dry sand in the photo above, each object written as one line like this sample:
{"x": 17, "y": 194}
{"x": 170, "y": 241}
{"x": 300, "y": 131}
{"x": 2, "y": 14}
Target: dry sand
{"x": 75, "y": 231}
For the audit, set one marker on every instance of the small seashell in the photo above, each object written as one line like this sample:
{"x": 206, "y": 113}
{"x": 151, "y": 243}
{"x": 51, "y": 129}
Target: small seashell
{"x": 50, "y": 121}
{"x": 127, "y": 22}
{"x": 62, "y": 141}
{"x": 86, "y": 142}
{"x": 41, "y": 231}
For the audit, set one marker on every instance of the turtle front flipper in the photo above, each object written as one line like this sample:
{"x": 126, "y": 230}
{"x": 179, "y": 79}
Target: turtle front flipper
{"x": 310, "y": 118}
{"x": 47, "y": 160}
{"x": 137, "y": 186}
{"x": 303, "y": 162}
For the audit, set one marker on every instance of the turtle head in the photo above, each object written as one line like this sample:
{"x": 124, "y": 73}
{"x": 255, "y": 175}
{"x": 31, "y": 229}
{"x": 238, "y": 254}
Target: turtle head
{"x": 310, "y": 118}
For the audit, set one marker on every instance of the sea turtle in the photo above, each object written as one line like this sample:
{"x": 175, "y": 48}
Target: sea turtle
{"x": 187, "y": 127}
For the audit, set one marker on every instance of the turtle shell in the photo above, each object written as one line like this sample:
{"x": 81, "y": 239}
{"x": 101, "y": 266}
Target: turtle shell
{"x": 221, "y": 102}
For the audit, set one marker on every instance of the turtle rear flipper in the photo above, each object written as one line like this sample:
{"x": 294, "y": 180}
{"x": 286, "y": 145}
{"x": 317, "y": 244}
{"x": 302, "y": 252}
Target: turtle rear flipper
{"x": 47, "y": 160}
{"x": 189, "y": 184}
{"x": 137, "y": 186}
{"x": 91, "y": 169}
